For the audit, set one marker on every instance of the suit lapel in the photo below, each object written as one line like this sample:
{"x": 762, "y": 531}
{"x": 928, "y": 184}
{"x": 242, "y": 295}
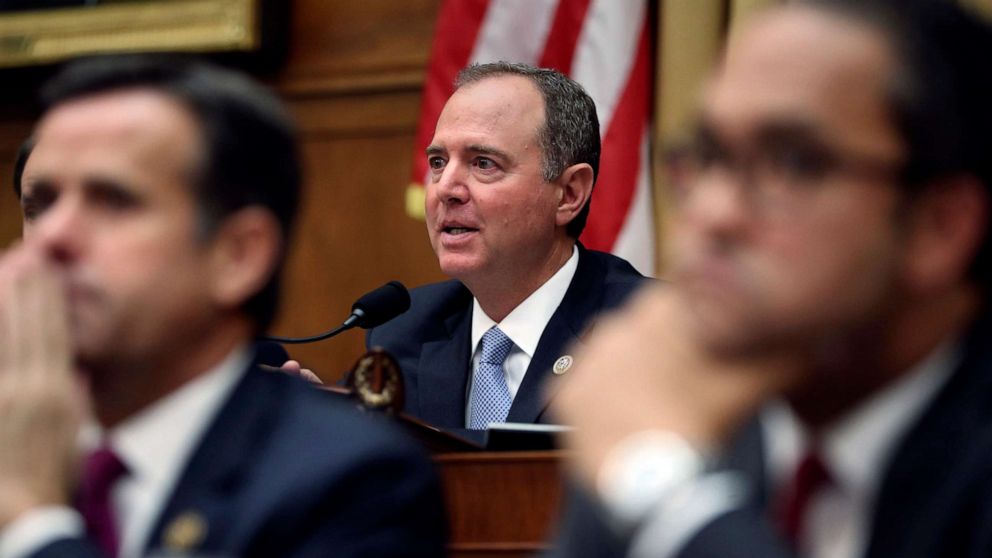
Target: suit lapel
{"x": 444, "y": 372}
{"x": 746, "y": 454}
{"x": 582, "y": 300}
{"x": 929, "y": 474}
{"x": 193, "y": 516}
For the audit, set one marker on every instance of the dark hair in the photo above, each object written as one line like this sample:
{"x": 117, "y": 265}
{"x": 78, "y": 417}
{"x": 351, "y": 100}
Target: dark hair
{"x": 570, "y": 134}
{"x": 939, "y": 93}
{"x": 251, "y": 156}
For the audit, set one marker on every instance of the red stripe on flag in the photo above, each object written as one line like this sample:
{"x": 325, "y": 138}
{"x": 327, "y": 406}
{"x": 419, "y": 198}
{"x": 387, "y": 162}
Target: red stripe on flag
{"x": 620, "y": 162}
{"x": 458, "y": 25}
{"x": 559, "y": 48}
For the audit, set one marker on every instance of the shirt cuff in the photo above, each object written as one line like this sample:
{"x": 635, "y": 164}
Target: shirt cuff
{"x": 37, "y": 528}
{"x": 657, "y": 491}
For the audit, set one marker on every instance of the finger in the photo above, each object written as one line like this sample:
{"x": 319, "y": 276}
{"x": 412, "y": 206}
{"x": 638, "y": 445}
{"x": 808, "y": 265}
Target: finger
{"x": 291, "y": 366}
{"x": 6, "y": 340}
{"x": 11, "y": 301}
{"x": 309, "y": 375}
{"x": 41, "y": 315}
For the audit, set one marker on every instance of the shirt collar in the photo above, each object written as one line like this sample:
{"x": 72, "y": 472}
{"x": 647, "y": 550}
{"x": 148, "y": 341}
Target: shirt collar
{"x": 525, "y": 324}
{"x": 857, "y": 446}
{"x": 156, "y": 442}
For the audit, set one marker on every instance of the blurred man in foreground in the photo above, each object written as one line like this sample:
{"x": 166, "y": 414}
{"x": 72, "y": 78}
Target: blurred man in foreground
{"x": 830, "y": 273}
{"x": 157, "y": 197}
{"x": 513, "y": 162}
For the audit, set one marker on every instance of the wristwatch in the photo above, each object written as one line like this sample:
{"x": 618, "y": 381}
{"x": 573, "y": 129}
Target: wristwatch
{"x": 646, "y": 470}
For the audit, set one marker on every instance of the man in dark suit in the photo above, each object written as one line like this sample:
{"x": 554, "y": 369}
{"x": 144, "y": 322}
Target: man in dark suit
{"x": 825, "y": 339}
{"x": 157, "y": 197}
{"x": 513, "y": 161}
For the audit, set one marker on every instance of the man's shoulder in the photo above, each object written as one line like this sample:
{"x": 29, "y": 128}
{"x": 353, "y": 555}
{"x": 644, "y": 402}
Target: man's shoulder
{"x": 287, "y": 452}
{"x": 303, "y": 441}
{"x": 309, "y": 414}
{"x": 617, "y": 277}
{"x": 431, "y": 306}
{"x": 616, "y": 268}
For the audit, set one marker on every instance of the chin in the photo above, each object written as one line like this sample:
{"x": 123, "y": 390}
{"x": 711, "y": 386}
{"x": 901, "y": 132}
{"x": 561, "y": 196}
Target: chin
{"x": 726, "y": 328}
{"x": 458, "y": 267}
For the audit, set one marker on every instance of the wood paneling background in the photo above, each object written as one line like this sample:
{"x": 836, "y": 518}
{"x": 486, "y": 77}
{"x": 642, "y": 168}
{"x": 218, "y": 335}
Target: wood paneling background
{"x": 352, "y": 79}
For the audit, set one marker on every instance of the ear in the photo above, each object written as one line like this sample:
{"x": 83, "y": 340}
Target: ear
{"x": 576, "y": 188}
{"x": 947, "y": 224}
{"x": 244, "y": 254}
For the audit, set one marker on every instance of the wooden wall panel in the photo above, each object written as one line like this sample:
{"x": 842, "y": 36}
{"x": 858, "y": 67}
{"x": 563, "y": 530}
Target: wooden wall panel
{"x": 13, "y": 130}
{"x": 352, "y": 79}
{"x": 341, "y": 45}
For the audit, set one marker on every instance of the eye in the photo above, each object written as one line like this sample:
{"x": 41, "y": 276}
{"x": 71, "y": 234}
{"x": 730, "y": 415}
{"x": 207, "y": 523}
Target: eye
{"x": 37, "y": 201}
{"x": 799, "y": 162}
{"x": 485, "y": 163}
{"x": 113, "y": 196}
{"x": 435, "y": 162}
{"x": 704, "y": 154}
{"x": 32, "y": 210}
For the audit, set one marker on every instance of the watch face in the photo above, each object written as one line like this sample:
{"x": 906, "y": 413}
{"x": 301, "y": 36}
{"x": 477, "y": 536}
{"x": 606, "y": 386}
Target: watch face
{"x": 644, "y": 470}
{"x": 377, "y": 381}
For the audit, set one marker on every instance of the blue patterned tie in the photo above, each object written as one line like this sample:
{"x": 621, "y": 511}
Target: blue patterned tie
{"x": 490, "y": 396}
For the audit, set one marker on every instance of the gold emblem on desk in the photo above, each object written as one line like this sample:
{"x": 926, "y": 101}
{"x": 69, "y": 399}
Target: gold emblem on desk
{"x": 185, "y": 532}
{"x": 562, "y": 365}
{"x": 377, "y": 382}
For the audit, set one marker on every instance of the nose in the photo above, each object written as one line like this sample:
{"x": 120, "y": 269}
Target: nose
{"x": 451, "y": 187}
{"x": 717, "y": 204}
{"x": 59, "y": 230}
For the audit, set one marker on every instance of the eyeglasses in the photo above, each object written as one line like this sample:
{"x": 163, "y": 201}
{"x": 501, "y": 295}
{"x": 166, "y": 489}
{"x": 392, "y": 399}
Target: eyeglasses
{"x": 777, "y": 171}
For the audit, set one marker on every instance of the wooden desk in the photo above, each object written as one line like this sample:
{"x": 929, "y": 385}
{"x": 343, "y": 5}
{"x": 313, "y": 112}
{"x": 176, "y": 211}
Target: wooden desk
{"x": 500, "y": 504}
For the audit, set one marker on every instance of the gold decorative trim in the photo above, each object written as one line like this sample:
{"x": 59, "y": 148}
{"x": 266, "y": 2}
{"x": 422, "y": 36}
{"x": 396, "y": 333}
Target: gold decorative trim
{"x": 46, "y": 36}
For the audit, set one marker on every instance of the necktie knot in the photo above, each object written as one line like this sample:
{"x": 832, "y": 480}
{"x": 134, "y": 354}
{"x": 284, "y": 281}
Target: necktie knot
{"x": 101, "y": 470}
{"x": 495, "y": 346}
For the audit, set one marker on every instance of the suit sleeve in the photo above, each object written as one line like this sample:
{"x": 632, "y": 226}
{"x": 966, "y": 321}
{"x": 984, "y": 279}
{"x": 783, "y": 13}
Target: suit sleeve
{"x": 587, "y": 531}
{"x": 737, "y": 534}
{"x": 69, "y": 548}
{"x": 584, "y": 531}
{"x": 388, "y": 507}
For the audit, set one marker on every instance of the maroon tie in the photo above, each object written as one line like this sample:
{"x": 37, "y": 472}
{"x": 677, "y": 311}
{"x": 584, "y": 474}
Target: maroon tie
{"x": 810, "y": 476}
{"x": 102, "y": 469}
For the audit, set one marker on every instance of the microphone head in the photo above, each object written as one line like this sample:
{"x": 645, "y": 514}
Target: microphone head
{"x": 379, "y": 306}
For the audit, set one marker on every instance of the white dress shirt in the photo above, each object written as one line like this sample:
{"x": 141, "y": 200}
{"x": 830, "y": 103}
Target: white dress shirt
{"x": 155, "y": 445}
{"x": 855, "y": 450}
{"x": 524, "y": 325}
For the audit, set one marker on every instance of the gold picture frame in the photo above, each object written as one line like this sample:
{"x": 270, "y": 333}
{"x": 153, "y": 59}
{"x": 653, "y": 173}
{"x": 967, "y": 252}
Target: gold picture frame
{"x": 47, "y": 36}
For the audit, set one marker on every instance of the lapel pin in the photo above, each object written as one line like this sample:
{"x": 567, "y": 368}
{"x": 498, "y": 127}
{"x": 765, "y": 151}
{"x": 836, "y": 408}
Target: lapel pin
{"x": 562, "y": 365}
{"x": 185, "y": 532}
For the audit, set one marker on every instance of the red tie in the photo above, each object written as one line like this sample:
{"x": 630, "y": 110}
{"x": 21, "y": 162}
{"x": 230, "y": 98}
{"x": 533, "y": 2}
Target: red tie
{"x": 102, "y": 469}
{"x": 811, "y": 475}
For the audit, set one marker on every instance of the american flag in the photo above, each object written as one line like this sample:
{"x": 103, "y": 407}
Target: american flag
{"x": 605, "y": 45}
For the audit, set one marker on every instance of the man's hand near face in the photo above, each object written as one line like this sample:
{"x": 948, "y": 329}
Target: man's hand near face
{"x": 642, "y": 370}
{"x": 42, "y": 402}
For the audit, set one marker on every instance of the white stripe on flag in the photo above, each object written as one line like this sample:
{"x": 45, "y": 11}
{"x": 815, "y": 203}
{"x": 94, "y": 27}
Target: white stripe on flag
{"x": 636, "y": 241}
{"x": 514, "y": 30}
{"x": 605, "y": 52}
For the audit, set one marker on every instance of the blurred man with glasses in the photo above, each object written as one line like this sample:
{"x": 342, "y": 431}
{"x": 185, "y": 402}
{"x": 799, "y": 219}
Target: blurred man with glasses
{"x": 817, "y": 378}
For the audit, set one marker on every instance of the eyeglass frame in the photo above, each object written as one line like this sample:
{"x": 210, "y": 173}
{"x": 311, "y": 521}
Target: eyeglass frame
{"x": 795, "y": 175}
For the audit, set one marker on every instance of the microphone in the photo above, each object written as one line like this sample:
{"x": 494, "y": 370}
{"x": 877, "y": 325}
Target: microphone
{"x": 372, "y": 309}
